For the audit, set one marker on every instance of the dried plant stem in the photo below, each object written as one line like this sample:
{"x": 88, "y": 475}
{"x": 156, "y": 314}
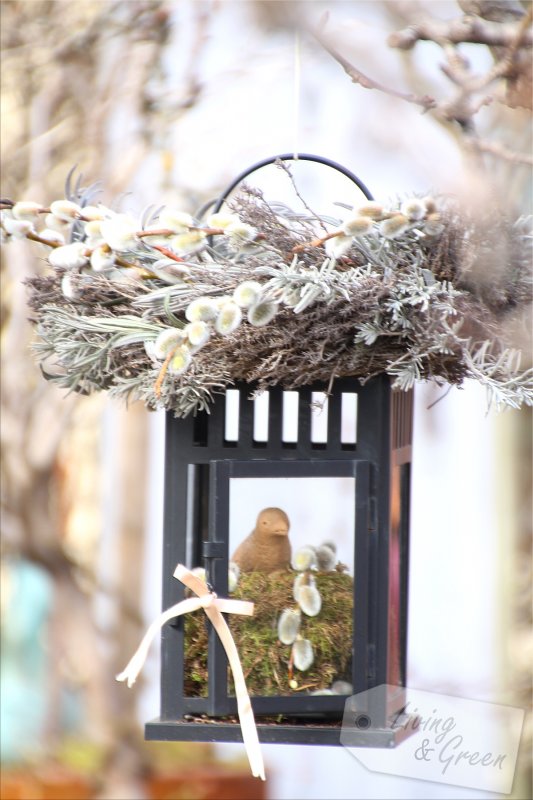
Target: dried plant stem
{"x": 299, "y": 248}
{"x": 163, "y": 372}
{"x": 167, "y": 253}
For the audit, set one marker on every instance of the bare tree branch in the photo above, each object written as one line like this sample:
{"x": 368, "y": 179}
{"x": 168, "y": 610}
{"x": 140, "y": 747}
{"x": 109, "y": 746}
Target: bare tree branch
{"x": 466, "y": 29}
{"x": 509, "y": 40}
{"x": 359, "y": 77}
{"x": 500, "y": 151}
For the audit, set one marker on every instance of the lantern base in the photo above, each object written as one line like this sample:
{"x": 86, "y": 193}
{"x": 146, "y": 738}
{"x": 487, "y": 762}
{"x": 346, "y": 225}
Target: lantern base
{"x": 215, "y": 730}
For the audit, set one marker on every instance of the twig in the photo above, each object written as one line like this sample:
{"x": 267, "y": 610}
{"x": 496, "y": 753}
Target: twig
{"x": 465, "y": 105}
{"x": 166, "y": 252}
{"x": 500, "y": 151}
{"x": 299, "y": 248}
{"x": 34, "y": 237}
{"x": 163, "y": 371}
{"x": 359, "y": 77}
{"x": 442, "y": 396}
{"x": 505, "y": 65}
{"x": 283, "y": 165}
{"x": 520, "y": 34}
{"x": 475, "y": 31}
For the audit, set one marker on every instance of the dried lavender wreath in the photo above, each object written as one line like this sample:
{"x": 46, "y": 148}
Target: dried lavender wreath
{"x": 170, "y": 309}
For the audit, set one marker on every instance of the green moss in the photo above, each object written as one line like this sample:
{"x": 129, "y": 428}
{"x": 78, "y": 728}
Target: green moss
{"x": 265, "y": 660}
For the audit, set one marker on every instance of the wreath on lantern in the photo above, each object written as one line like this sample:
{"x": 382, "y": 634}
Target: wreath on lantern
{"x": 172, "y": 309}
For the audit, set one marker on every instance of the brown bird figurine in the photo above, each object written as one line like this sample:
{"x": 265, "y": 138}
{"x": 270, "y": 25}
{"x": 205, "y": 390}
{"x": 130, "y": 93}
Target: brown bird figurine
{"x": 267, "y": 548}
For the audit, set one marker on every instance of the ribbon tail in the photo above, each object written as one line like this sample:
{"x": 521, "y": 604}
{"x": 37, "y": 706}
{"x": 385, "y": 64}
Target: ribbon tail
{"x": 136, "y": 662}
{"x": 244, "y": 705}
{"x": 251, "y": 739}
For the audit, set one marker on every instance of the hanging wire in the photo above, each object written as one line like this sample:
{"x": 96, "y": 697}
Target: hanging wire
{"x": 297, "y": 92}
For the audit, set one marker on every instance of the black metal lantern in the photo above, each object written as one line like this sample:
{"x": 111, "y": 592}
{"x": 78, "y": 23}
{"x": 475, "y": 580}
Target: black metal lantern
{"x": 216, "y": 463}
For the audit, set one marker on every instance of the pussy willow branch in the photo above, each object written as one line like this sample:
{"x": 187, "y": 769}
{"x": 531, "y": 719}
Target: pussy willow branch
{"x": 120, "y": 262}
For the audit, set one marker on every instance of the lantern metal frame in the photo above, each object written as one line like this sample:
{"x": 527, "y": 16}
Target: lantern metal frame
{"x": 198, "y": 461}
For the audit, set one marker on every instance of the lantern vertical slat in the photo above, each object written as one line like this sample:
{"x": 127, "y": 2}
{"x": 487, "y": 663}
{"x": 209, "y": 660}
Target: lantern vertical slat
{"x": 401, "y": 453}
{"x": 334, "y": 419}
{"x": 174, "y": 551}
{"x": 373, "y": 443}
{"x": 361, "y": 580}
{"x": 216, "y": 560}
{"x": 245, "y": 421}
{"x": 275, "y": 422}
{"x": 404, "y": 562}
{"x": 304, "y": 422}
{"x": 216, "y": 427}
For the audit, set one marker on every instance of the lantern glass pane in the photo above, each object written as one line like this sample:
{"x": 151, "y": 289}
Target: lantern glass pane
{"x": 293, "y": 539}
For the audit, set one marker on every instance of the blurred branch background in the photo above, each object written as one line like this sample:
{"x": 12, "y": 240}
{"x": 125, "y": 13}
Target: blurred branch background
{"x": 165, "y": 102}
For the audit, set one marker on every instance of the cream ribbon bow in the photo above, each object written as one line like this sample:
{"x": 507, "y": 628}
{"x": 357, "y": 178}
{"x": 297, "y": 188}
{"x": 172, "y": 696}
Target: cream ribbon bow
{"x": 213, "y": 606}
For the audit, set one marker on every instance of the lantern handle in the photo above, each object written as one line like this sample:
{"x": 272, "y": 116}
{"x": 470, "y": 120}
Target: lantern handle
{"x": 292, "y": 157}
